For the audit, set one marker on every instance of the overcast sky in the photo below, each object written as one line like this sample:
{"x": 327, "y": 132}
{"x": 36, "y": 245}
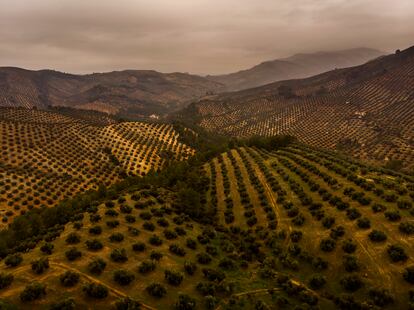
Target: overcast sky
{"x": 197, "y": 36}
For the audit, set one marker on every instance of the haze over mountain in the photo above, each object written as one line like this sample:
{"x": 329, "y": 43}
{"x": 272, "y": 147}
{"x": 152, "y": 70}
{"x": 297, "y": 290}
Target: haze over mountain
{"x": 131, "y": 93}
{"x": 296, "y": 66}
{"x": 365, "y": 110}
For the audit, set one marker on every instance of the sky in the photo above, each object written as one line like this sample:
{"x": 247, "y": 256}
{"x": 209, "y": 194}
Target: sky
{"x": 195, "y": 36}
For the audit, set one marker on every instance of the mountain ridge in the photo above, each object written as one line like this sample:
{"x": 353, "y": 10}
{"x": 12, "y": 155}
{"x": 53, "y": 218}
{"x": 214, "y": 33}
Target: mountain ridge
{"x": 300, "y": 65}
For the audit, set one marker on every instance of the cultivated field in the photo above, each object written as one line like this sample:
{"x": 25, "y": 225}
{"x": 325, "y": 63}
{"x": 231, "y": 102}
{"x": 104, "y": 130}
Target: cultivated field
{"x": 136, "y": 247}
{"x": 338, "y": 225}
{"x": 49, "y": 156}
{"x": 365, "y": 111}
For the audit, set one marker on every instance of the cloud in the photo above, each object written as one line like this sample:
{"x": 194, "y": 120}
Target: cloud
{"x": 201, "y": 36}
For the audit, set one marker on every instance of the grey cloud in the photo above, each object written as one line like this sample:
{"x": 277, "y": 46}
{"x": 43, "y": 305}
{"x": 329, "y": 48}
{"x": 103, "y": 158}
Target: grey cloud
{"x": 200, "y": 36}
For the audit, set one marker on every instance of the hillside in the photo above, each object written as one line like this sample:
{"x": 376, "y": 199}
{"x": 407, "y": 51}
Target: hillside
{"x": 48, "y": 156}
{"x": 291, "y": 227}
{"x": 132, "y": 93}
{"x": 366, "y": 111}
{"x": 294, "y": 67}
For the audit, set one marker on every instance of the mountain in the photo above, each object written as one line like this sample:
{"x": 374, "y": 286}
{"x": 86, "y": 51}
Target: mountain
{"x": 129, "y": 93}
{"x": 366, "y": 111}
{"x": 297, "y": 66}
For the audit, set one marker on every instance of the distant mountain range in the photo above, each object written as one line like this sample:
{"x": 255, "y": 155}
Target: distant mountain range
{"x": 366, "y": 110}
{"x": 131, "y": 93}
{"x": 294, "y": 67}
{"x": 139, "y": 94}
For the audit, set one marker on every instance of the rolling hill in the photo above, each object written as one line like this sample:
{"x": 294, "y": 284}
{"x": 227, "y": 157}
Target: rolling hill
{"x": 366, "y": 111}
{"x": 48, "y": 156}
{"x": 294, "y": 67}
{"x": 292, "y": 227}
{"x": 131, "y": 93}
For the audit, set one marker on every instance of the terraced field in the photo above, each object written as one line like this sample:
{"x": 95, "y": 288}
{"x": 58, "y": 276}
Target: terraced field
{"x": 365, "y": 111}
{"x": 49, "y": 156}
{"x": 338, "y": 225}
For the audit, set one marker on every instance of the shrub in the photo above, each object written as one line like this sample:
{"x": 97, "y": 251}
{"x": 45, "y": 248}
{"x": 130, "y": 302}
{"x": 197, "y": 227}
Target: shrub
{"x": 156, "y": 255}
{"x": 351, "y": 283}
{"x": 148, "y": 226}
{"x": 145, "y": 215}
{"x": 364, "y": 223}
{"x": 213, "y": 275}
{"x": 408, "y": 274}
{"x": 296, "y": 236}
{"x": 393, "y": 216}
{"x": 406, "y": 228}
{"x": 396, "y": 253}
{"x": 73, "y": 254}
{"x": 69, "y": 278}
{"x": 133, "y": 231}
{"x": 191, "y": 243}
{"x": 376, "y": 208}
{"x": 94, "y": 245}
{"x": 180, "y": 231}
{"x": 66, "y": 304}
{"x": 337, "y": 232}
{"x": 190, "y": 267}
{"x": 112, "y": 224}
{"x": 40, "y": 265}
{"x": 73, "y": 238}
{"x": 138, "y": 247}
{"x": 317, "y": 282}
{"x": 328, "y": 222}
{"x": 349, "y": 246}
{"x": 210, "y": 302}
{"x": 111, "y": 212}
{"x": 33, "y": 291}
{"x": 173, "y": 277}
{"x": 227, "y": 264}
{"x": 156, "y": 290}
{"x": 176, "y": 249}
{"x": 319, "y": 264}
{"x": 95, "y": 290}
{"x": 47, "y": 248}
{"x": 97, "y": 266}
{"x": 146, "y": 267}
{"x": 127, "y": 304}
{"x": 116, "y": 237}
{"x": 123, "y": 277}
{"x": 327, "y": 245}
{"x": 380, "y": 297}
{"x": 170, "y": 234}
{"x": 95, "y": 230}
{"x": 155, "y": 240}
{"x": 351, "y": 263}
{"x": 185, "y": 302}
{"x": 203, "y": 258}
{"x": 119, "y": 255}
{"x": 5, "y": 280}
{"x": 13, "y": 260}
{"x": 95, "y": 218}
{"x": 125, "y": 209}
{"x": 377, "y": 236}
{"x": 130, "y": 218}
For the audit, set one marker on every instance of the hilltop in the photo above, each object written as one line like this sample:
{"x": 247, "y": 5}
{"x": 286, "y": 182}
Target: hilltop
{"x": 365, "y": 111}
{"x": 294, "y": 67}
{"x": 130, "y": 93}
